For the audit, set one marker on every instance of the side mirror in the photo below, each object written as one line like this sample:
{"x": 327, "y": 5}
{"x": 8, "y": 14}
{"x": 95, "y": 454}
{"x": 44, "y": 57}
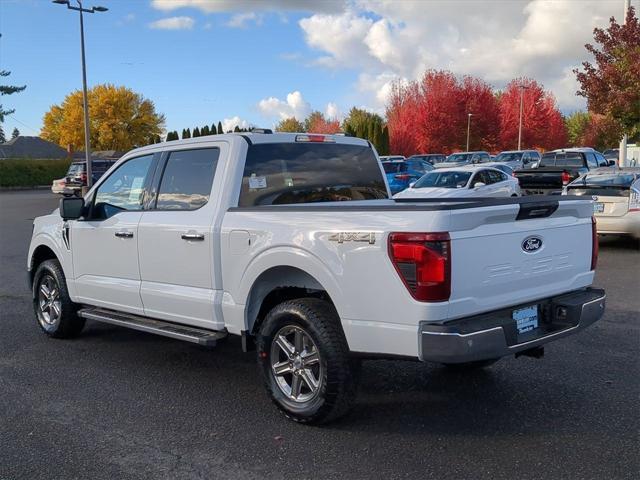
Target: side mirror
{"x": 479, "y": 184}
{"x": 611, "y": 163}
{"x": 71, "y": 208}
{"x": 412, "y": 184}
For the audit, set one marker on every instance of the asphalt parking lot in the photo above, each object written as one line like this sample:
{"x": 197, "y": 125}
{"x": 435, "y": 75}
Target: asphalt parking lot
{"x": 116, "y": 403}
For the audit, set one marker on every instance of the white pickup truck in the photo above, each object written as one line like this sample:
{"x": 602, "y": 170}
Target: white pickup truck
{"x": 292, "y": 242}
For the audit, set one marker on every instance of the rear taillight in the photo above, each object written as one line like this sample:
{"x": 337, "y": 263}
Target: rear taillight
{"x": 83, "y": 177}
{"x": 423, "y": 261}
{"x": 634, "y": 200}
{"x": 594, "y": 244}
{"x": 566, "y": 178}
{"x": 402, "y": 177}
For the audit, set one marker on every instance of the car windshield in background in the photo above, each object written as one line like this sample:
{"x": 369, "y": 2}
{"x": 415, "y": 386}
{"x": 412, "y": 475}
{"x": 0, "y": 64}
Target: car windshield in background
{"x": 443, "y": 180}
{"x": 394, "y": 167}
{"x": 562, "y": 160}
{"x": 508, "y": 157}
{"x": 459, "y": 157}
{"x": 290, "y": 173}
{"x": 615, "y": 181}
{"x": 75, "y": 168}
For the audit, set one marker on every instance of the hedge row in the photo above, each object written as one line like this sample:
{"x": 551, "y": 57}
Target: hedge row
{"x": 27, "y": 172}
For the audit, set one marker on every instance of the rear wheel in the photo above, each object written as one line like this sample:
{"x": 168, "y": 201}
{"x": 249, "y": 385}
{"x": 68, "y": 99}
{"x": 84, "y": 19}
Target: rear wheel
{"x": 55, "y": 312}
{"x": 304, "y": 360}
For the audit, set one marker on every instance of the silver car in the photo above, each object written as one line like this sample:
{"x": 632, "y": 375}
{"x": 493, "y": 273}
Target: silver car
{"x": 518, "y": 159}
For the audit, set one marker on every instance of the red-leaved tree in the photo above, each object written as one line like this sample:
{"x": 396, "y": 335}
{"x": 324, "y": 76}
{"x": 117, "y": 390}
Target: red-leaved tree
{"x": 542, "y": 123}
{"x": 317, "y": 123}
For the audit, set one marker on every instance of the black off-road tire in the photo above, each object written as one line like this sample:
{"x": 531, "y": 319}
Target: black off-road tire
{"x": 68, "y": 324}
{"x": 338, "y": 383}
{"x": 471, "y": 366}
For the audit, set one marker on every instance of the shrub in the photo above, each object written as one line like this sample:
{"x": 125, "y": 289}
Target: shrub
{"x": 27, "y": 172}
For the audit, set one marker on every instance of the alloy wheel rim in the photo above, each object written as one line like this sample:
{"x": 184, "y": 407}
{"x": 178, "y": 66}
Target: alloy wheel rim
{"x": 49, "y": 300}
{"x": 295, "y": 364}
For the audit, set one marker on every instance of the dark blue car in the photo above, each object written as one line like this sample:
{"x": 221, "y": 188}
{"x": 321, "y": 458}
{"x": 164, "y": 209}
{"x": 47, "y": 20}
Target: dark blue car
{"x": 400, "y": 173}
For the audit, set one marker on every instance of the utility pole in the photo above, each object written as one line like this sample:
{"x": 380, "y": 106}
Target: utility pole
{"x": 622, "y": 156}
{"x": 522, "y": 89}
{"x": 87, "y": 143}
{"x": 468, "y": 128}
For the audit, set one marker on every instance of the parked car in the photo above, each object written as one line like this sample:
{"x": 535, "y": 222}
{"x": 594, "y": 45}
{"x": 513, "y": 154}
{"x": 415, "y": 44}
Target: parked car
{"x": 464, "y": 158}
{"x": 518, "y": 159}
{"x": 557, "y": 169}
{"x": 291, "y": 242}
{"x": 432, "y": 158}
{"x": 58, "y": 186}
{"x": 616, "y": 196}
{"x": 76, "y": 177}
{"x": 400, "y": 173}
{"x": 467, "y": 181}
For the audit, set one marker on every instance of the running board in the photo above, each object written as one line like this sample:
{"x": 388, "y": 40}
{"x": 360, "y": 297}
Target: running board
{"x": 200, "y": 336}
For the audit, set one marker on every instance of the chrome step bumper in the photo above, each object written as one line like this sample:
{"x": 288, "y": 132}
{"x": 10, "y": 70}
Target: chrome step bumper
{"x": 494, "y": 334}
{"x": 159, "y": 327}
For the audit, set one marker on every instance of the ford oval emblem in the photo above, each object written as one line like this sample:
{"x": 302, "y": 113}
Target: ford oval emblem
{"x": 531, "y": 244}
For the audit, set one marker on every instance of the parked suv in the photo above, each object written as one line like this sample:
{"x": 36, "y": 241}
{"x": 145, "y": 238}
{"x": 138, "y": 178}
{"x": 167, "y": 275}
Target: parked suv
{"x": 76, "y": 177}
{"x": 292, "y": 243}
{"x": 464, "y": 158}
{"x": 518, "y": 159}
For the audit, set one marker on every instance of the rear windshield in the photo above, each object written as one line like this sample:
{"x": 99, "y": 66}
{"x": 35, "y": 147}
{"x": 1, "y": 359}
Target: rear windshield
{"x": 443, "y": 180}
{"x": 290, "y": 173}
{"x": 508, "y": 157}
{"x": 75, "y": 168}
{"x": 571, "y": 159}
{"x": 606, "y": 180}
{"x": 394, "y": 167}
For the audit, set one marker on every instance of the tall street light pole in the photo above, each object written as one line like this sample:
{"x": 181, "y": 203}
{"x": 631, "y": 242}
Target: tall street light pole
{"x": 622, "y": 156}
{"x": 522, "y": 89}
{"x": 87, "y": 144}
{"x": 469, "y": 115}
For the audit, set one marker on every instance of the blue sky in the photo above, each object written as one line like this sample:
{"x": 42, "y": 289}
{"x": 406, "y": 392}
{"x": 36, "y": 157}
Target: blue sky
{"x": 202, "y": 61}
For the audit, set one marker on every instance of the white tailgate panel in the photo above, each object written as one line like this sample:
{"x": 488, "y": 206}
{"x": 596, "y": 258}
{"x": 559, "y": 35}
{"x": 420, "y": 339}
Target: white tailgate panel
{"x": 490, "y": 270}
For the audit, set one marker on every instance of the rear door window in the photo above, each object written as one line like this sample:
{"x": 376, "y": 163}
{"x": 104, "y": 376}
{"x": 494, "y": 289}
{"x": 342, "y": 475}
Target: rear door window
{"x": 187, "y": 179}
{"x": 291, "y": 173}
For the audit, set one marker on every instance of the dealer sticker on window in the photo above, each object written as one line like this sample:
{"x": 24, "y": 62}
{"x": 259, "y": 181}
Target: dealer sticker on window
{"x": 526, "y": 318}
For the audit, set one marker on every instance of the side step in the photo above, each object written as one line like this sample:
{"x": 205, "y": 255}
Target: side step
{"x": 200, "y": 336}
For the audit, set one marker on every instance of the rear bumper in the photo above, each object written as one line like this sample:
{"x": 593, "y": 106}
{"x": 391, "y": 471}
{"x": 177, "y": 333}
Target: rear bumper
{"x": 628, "y": 224}
{"x": 494, "y": 334}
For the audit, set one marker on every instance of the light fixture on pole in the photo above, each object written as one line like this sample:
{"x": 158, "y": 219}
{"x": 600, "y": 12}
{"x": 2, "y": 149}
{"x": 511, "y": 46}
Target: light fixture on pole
{"x": 469, "y": 115}
{"x": 522, "y": 87}
{"x": 87, "y": 146}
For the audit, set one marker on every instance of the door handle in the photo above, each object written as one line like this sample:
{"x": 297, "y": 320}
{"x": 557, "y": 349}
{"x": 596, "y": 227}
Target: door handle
{"x": 124, "y": 234}
{"x": 193, "y": 236}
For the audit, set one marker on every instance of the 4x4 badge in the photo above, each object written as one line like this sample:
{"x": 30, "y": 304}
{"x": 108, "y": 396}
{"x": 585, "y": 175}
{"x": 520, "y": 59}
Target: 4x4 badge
{"x": 531, "y": 244}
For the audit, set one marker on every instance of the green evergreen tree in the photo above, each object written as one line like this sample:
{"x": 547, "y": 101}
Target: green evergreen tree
{"x": 384, "y": 142}
{"x": 15, "y": 133}
{"x": 214, "y": 129}
{"x": 186, "y": 134}
{"x": 205, "y": 131}
{"x": 196, "y": 132}
{"x": 236, "y": 129}
{"x": 8, "y": 90}
{"x": 220, "y": 131}
{"x": 2, "y": 137}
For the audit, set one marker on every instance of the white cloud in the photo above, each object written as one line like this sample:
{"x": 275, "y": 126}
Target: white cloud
{"x": 294, "y": 106}
{"x": 233, "y": 122}
{"x": 496, "y": 40}
{"x": 240, "y": 20}
{"x": 333, "y": 112}
{"x": 217, "y": 6}
{"x": 173, "y": 23}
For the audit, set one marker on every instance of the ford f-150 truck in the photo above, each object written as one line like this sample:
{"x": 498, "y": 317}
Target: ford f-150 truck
{"x": 292, "y": 242}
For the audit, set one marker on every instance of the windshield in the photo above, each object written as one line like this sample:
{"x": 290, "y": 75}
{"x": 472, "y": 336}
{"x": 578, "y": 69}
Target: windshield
{"x": 508, "y": 157}
{"x": 443, "y": 180}
{"x": 459, "y": 157}
{"x": 290, "y": 173}
{"x": 75, "y": 168}
{"x": 605, "y": 180}
{"x": 394, "y": 167}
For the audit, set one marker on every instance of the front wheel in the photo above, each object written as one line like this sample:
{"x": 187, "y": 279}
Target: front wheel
{"x": 304, "y": 361}
{"x": 55, "y": 312}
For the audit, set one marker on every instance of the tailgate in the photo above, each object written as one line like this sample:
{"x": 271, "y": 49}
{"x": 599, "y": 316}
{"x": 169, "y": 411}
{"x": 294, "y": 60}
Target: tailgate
{"x": 500, "y": 261}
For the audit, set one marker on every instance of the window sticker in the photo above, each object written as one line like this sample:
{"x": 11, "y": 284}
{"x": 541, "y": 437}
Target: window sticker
{"x": 257, "y": 182}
